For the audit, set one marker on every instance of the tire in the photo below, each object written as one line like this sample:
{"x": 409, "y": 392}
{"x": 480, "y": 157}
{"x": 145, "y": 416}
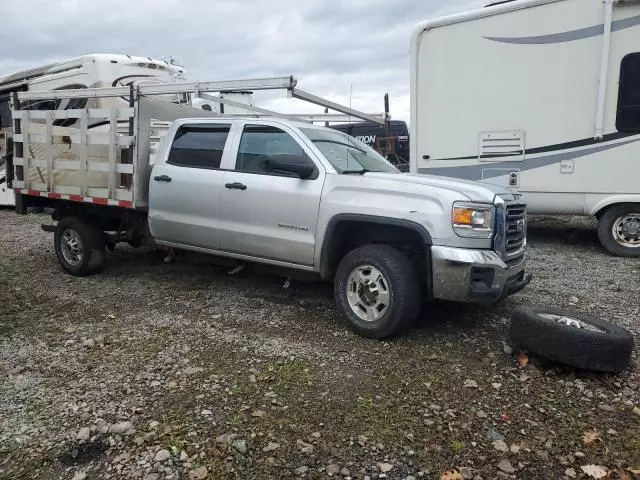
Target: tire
{"x": 606, "y": 350}
{"x": 400, "y": 286}
{"x": 72, "y": 232}
{"x": 611, "y": 230}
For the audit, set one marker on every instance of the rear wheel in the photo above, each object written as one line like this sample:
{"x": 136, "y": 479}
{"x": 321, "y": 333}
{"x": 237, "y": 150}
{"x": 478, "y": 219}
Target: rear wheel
{"x": 80, "y": 247}
{"x": 377, "y": 291}
{"x": 619, "y": 230}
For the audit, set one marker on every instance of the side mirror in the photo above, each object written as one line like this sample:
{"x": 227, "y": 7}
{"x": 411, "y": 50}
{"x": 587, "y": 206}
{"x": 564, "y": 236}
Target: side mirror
{"x": 299, "y": 165}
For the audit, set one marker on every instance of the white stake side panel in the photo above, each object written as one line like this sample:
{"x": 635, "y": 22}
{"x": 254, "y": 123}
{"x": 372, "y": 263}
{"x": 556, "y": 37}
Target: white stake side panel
{"x": 74, "y": 163}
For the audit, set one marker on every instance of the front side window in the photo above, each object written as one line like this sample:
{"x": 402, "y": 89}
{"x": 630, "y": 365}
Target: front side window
{"x": 346, "y": 154}
{"x": 628, "y": 117}
{"x": 199, "y": 146}
{"x": 262, "y": 144}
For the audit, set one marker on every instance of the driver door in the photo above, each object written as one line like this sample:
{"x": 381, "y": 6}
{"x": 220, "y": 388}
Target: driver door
{"x": 268, "y": 214}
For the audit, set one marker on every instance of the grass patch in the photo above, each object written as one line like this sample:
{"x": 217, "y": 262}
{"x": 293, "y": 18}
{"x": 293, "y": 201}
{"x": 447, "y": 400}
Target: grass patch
{"x": 456, "y": 446}
{"x": 237, "y": 418}
{"x": 292, "y": 375}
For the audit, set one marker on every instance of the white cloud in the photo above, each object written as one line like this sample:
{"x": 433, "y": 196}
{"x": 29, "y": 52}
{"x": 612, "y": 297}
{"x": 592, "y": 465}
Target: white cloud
{"x": 330, "y": 45}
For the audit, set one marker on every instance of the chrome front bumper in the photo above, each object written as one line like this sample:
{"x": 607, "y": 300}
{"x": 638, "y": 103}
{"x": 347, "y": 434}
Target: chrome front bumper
{"x": 462, "y": 275}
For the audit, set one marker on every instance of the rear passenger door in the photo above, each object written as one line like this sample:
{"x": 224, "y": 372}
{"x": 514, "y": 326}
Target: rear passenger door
{"x": 185, "y": 187}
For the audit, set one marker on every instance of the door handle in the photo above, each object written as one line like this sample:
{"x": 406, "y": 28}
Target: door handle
{"x": 162, "y": 178}
{"x": 235, "y": 186}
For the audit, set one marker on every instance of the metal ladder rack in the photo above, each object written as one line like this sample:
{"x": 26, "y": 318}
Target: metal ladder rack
{"x": 200, "y": 89}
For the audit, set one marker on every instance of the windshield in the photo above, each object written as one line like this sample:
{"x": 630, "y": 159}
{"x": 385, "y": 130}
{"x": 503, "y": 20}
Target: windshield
{"x": 346, "y": 154}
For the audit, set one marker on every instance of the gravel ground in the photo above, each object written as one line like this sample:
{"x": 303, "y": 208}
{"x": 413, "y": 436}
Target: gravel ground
{"x": 156, "y": 370}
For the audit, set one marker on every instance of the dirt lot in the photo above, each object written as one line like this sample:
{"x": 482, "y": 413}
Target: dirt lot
{"x": 156, "y": 370}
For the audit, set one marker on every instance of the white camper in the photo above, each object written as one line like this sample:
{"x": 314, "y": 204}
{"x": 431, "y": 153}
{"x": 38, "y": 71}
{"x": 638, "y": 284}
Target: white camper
{"x": 85, "y": 72}
{"x": 542, "y": 96}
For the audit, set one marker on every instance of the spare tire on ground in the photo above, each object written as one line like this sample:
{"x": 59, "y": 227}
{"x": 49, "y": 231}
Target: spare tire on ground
{"x": 572, "y": 338}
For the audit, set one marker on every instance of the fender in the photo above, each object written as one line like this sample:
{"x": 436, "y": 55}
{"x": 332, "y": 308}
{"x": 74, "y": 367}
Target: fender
{"x": 353, "y": 217}
{"x": 613, "y": 200}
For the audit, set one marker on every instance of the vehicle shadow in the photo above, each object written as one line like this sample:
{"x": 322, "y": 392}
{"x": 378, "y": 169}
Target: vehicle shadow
{"x": 455, "y": 319}
{"x": 562, "y": 230}
{"x": 195, "y": 271}
{"x": 191, "y": 271}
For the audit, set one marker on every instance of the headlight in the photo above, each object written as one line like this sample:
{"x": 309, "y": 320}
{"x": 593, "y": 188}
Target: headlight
{"x": 473, "y": 220}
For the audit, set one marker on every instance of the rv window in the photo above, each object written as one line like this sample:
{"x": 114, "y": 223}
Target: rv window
{"x": 628, "y": 118}
{"x": 199, "y": 146}
{"x": 5, "y": 112}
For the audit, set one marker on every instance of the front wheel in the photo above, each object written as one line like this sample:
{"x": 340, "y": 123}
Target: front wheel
{"x": 377, "y": 291}
{"x": 80, "y": 247}
{"x": 619, "y": 230}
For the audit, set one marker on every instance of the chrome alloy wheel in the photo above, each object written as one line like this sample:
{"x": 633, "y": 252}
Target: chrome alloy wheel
{"x": 71, "y": 247}
{"x": 368, "y": 293}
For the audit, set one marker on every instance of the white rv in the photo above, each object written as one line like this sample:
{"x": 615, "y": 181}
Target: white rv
{"x": 88, "y": 71}
{"x": 542, "y": 96}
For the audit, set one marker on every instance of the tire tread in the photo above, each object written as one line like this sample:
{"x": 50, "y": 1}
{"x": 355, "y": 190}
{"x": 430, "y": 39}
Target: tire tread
{"x": 604, "y": 352}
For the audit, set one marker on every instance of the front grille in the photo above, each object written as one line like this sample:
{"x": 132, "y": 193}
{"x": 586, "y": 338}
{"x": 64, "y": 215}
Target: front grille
{"x": 515, "y": 232}
{"x": 512, "y": 262}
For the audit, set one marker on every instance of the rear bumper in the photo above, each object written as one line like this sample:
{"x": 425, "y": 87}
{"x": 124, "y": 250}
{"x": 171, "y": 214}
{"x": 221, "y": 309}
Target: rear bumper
{"x": 462, "y": 275}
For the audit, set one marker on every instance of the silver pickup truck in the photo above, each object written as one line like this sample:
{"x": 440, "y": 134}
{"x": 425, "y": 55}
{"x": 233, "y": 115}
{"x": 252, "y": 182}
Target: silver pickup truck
{"x": 302, "y": 197}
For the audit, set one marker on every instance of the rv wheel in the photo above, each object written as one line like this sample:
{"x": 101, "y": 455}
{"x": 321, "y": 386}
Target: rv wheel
{"x": 80, "y": 247}
{"x": 572, "y": 338}
{"x": 619, "y": 230}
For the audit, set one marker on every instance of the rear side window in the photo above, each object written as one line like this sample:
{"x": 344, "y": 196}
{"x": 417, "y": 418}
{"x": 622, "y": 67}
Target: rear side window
{"x": 199, "y": 146}
{"x": 628, "y": 117}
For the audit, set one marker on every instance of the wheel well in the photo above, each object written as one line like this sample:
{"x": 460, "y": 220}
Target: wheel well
{"x": 125, "y": 225}
{"x": 346, "y": 235}
{"x": 604, "y": 209}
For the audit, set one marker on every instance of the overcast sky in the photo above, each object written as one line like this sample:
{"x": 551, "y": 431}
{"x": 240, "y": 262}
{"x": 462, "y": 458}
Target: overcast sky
{"x": 329, "y": 45}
